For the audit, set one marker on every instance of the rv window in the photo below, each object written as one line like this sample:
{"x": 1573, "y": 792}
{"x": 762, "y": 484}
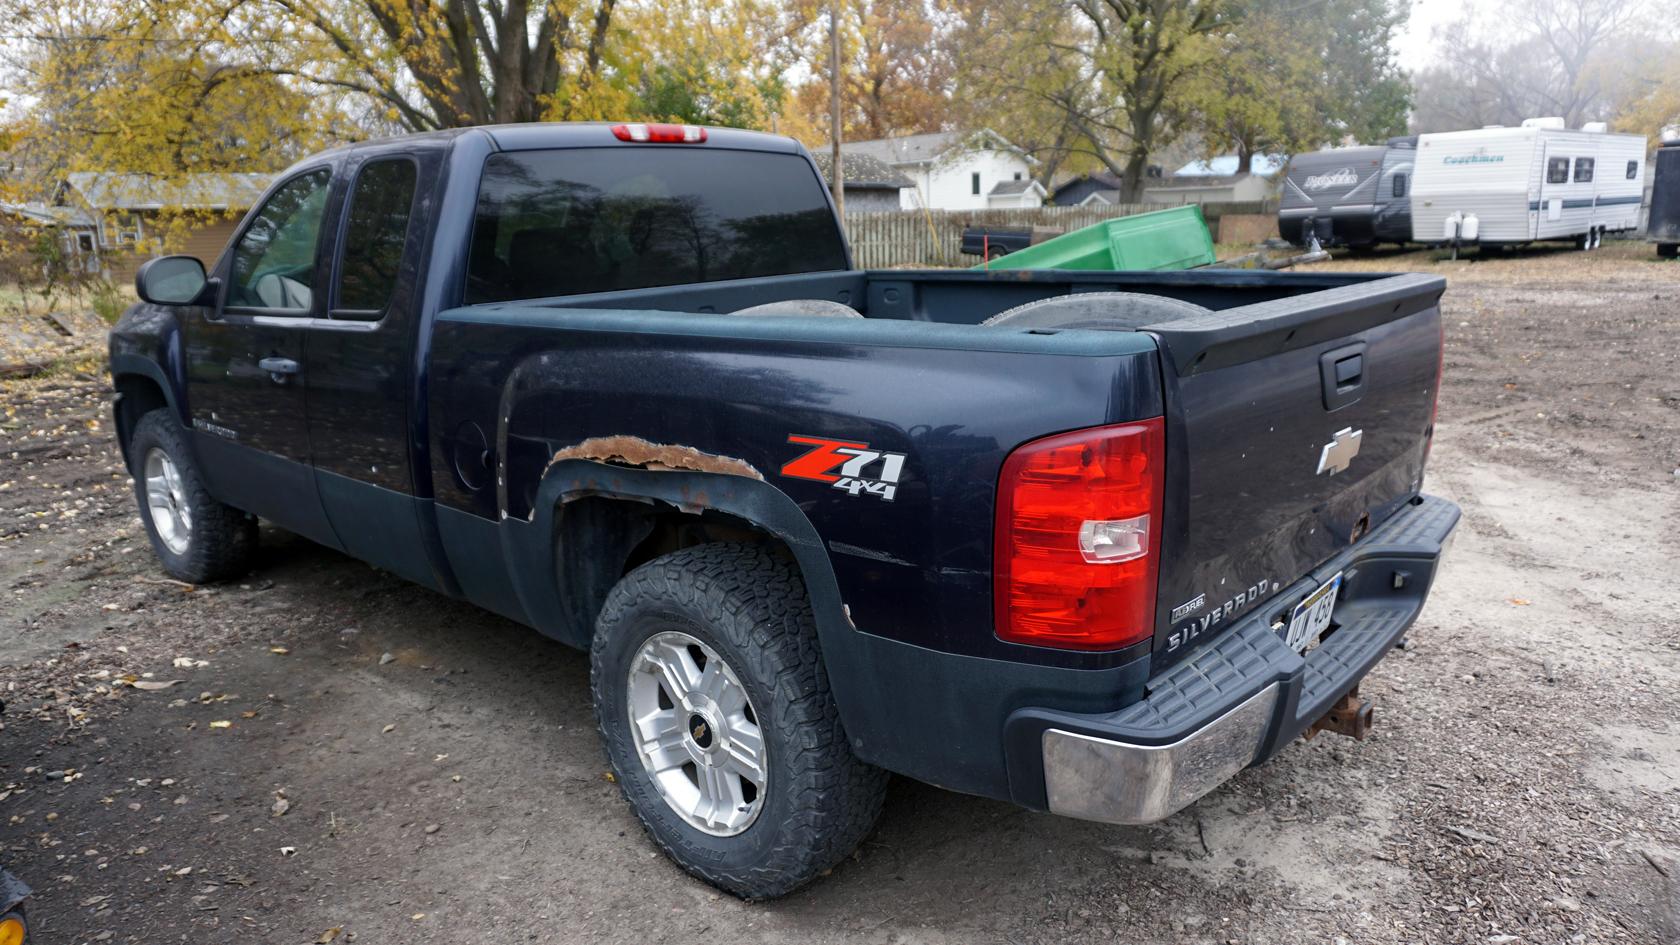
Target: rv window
{"x": 1633, "y": 170}
{"x": 1399, "y": 185}
{"x": 1583, "y": 170}
{"x": 1557, "y": 171}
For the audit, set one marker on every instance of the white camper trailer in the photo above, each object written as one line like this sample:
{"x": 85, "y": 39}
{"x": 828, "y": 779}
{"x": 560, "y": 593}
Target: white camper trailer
{"x": 1506, "y": 186}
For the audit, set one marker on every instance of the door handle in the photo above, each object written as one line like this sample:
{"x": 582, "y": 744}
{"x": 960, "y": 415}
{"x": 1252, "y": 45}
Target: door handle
{"x": 278, "y": 368}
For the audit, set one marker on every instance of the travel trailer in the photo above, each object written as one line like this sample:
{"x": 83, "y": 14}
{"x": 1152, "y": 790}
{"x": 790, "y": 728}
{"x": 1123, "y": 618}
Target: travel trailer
{"x": 1663, "y": 228}
{"x": 1501, "y": 186}
{"x": 1356, "y": 196}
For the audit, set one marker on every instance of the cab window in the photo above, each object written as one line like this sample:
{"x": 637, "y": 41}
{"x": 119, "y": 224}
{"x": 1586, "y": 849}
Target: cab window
{"x": 581, "y": 220}
{"x": 274, "y": 260}
{"x": 374, "y": 236}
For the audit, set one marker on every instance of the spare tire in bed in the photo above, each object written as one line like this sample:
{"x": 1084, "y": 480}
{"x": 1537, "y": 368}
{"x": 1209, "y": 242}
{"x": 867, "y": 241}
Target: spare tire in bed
{"x": 1114, "y": 311}
{"x": 818, "y": 308}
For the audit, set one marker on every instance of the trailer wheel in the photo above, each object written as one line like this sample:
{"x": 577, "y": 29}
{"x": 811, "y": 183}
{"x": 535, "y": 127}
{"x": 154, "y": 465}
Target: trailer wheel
{"x": 1668, "y": 250}
{"x": 1110, "y": 311}
{"x": 719, "y": 723}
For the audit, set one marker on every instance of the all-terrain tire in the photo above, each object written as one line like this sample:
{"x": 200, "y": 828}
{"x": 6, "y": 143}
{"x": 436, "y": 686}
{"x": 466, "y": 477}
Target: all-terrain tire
{"x": 750, "y": 606}
{"x": 1113, "y": 311}
{"x": 221, "y": 540}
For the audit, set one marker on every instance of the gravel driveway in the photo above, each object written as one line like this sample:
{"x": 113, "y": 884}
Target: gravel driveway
{"x": 323, "y": 753}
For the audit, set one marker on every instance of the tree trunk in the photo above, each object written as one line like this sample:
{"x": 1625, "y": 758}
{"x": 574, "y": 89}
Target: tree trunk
{"x": 1132, "y": 182}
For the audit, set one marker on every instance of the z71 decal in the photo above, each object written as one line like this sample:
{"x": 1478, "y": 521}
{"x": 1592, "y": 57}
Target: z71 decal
{"x": 853, "y": 467}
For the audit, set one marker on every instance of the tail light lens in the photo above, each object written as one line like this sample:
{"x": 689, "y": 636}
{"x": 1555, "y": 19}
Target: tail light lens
{"x": 660, "y": 133}
{"x": 1078, "y": 539}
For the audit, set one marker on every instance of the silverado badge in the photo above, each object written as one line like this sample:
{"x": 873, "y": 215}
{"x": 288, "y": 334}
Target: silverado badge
{"x": 1340, "y": 451}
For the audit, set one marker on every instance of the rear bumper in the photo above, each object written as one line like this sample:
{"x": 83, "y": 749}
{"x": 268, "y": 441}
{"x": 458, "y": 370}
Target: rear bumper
{"x": 1243, "y": 696}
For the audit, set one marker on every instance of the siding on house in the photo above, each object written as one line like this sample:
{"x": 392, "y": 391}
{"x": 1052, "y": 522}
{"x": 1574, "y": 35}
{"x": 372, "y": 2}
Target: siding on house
{"x": 205, "y": 242}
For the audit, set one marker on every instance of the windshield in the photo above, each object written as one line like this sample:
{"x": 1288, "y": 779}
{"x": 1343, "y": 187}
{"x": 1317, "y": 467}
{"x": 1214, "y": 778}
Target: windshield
{"x": 580, "y": 220}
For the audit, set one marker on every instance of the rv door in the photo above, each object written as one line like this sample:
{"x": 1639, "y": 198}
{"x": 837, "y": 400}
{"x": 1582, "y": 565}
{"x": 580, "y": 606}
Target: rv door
{"x": 1553, "y": 180}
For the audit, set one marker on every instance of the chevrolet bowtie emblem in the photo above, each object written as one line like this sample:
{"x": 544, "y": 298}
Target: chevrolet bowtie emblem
{"x": 1338, "y": 454}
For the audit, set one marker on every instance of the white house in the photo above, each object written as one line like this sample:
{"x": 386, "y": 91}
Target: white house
{"x": 954, "y": 170}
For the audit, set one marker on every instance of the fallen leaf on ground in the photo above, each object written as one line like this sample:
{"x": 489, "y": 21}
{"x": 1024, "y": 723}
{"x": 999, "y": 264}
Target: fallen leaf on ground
{"x": 327, "y": 936}
{"x": 288, "y": 851}
{"x": 1517, "y": 602}
{"x": 387, "y": 729}
{"x": 278, "y": 650}
{"x": 221, "y": 723}
{"x": 154, "y": 685}
{"x": 281, "y": 805}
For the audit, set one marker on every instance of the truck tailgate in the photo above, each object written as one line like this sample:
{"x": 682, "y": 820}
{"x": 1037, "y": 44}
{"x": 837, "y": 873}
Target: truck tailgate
{"x": 1293, "y": 427}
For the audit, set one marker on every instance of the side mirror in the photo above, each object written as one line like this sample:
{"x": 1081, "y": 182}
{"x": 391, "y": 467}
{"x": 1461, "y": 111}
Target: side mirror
{"x": 170, "y": 280}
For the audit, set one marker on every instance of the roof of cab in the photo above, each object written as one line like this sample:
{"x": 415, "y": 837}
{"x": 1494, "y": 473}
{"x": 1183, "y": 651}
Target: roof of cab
{"x": 535, "y": 136}
{"x": 538, "y": 135}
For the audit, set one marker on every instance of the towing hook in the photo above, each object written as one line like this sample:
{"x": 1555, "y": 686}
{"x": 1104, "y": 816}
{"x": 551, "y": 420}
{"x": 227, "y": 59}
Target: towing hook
{"x": 1350, "y": 716}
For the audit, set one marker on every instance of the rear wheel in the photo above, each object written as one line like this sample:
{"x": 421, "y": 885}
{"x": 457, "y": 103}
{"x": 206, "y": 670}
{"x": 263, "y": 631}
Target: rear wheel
{"x": 718, "y": 721}
{"x": 197, "y": 538}
{"x": 1668, "y": 250}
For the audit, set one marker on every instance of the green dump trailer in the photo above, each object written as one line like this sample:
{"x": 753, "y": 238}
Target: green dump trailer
{"x": 1176, "y": 238}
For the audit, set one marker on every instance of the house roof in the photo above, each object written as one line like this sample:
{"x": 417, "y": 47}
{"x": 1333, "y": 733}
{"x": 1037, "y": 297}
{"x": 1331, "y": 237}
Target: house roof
{"x": 49, "y": 215}
{"x": 1006, "y": 188}
{"x": 1103, "y": 179}
{"x": 863, "y": 172}
{"x": 927, "y": 148}
{"x": 218, "y": 191}
{"x": 1225, "y": 165}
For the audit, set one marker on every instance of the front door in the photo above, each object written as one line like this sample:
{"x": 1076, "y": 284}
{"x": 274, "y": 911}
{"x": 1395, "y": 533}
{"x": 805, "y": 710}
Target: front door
{"x": 246, "y": 380}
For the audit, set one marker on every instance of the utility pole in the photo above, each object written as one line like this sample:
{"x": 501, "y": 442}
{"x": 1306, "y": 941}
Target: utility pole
{"x": 837, "y": 178}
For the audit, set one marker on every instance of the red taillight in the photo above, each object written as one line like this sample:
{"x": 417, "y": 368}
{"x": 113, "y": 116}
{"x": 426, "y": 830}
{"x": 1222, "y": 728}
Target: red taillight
{"x": 660, "y": 133}
{"x": 1078, "y": 538}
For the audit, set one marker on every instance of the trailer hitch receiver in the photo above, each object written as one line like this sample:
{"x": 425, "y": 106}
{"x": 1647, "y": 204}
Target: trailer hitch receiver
{"x": 1349, "y": 715}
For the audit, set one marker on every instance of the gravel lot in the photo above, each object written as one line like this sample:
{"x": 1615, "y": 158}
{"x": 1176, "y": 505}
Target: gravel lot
{"x": 323, "y": 753}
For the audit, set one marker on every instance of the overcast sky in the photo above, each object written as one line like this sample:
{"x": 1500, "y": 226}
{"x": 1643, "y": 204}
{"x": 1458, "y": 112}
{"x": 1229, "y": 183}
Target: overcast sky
{"x": 1426, "y": 16}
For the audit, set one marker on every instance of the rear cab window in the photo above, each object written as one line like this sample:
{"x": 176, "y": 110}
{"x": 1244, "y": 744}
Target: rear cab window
{"x": 576, "y": 220}
{"x": 375, "y": 234}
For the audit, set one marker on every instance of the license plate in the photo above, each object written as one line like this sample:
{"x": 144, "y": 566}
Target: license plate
{"x": 1311, "y": 617}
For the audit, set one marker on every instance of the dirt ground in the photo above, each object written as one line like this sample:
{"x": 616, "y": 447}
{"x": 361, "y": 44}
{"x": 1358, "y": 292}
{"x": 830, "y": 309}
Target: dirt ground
{"x": 323, "y": 753}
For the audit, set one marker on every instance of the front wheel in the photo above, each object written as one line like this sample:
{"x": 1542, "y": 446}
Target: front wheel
{"x": 719, "y": 724}
{"x": 197, "y": 538}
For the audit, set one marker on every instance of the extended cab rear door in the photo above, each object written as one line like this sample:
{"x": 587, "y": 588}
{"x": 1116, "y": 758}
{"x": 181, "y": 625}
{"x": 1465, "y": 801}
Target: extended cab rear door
{"x": 361, "y": 376}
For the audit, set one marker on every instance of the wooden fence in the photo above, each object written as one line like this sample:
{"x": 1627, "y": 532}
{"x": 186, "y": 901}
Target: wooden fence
{"x": 900, "y": 238}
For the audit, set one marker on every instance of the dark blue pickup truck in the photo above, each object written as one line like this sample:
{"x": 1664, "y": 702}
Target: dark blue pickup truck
{"x": 1089, "y": 542}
